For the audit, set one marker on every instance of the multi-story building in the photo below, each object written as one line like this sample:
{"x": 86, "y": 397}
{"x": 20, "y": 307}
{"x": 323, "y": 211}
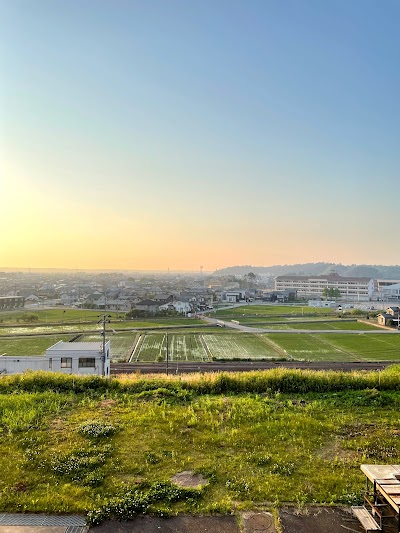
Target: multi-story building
{"x": 351, "y": 289}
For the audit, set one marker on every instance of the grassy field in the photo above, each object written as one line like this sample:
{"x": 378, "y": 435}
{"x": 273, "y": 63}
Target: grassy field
{"x": 272, "y": 309}
{"x": 86, "y": 326}
{"x": 66, "y": 316}
{"x": 215, "y": 343}
{"x": 338, "y": 325}
{"x": 325, "y": 347}
{"x": 30, "y": 345}
{"x": 90, "y": 447}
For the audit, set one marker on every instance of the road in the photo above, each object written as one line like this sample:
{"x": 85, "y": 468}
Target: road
{"x": 248, "y": 329}
{"x": 239, "y": 366}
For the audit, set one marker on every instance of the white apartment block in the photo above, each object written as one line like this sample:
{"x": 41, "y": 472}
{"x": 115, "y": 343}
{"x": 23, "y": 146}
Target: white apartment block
{"x": 351, "y": 289}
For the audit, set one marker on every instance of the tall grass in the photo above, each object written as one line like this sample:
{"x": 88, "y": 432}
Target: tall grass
{"x": 280, "y": 379}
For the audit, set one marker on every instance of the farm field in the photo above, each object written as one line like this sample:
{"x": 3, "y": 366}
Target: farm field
{"x": 273, "y": 309}
{"x": 205, "y": 346}
{"x": 229, "y": 345}
{"x": 121, "y": 344}
{"x": 339, "y": 325}
{"x": 71, "y": 451}
{"x": 54, "y": 315}
{"x": 339, "y": 347}
{"x": 127, "y": 324}
{"x": 186, "y": 347}
{"x": 67, "y": 316}
{"x": 30, "y": 345}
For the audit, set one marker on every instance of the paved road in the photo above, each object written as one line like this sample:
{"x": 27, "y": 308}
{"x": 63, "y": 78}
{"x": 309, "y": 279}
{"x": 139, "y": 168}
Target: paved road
{"x": 247, "y": 329}
{"x": 240, "y": 366}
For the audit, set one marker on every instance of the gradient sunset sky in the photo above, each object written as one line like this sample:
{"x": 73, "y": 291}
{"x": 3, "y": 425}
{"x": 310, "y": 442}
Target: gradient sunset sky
{"x": 153, "y": 134}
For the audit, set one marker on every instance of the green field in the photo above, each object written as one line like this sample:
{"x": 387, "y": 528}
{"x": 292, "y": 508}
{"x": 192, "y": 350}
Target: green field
{"x": 77, "y": 450}
{"x": 86, "y": 326}
{"x": 325, "y": 347}
{"x": 272, "y": 309}
{"x": 339, "y": 325}
{"x": 65, "y": 317}
{"x": 30, "y": 345}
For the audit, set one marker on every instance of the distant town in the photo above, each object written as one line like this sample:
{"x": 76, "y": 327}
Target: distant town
{"x": 147, "y": 294}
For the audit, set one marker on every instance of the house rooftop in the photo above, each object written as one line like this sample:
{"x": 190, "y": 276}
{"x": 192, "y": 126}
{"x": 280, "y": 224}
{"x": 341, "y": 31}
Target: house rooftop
{"x": 78, "y": 346}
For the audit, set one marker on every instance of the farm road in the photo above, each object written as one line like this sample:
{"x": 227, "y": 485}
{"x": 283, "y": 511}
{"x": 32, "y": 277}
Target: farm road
{"x": 247, "y": 329}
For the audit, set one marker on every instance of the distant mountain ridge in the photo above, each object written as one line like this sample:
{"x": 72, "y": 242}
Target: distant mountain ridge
{"x": 316, "y": 269}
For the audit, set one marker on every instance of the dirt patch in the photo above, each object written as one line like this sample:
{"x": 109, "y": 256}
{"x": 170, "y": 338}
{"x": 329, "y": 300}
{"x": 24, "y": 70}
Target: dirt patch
{"x": 57, "y": 424}
{"x": 318, "y": 520}
{"x": 189, "y": 479}
{"x": 104, "y": 404}
{"x": 334, "y": 450}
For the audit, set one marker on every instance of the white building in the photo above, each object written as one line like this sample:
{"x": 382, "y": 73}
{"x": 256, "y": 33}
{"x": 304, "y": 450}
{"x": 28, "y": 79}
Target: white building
{"x": 180, "y": 306}
{"x": 321, "y": 303}
{"x": 391, "y": 292}
{"x": 351, "y": 289}
{"x": 64, "y": 357}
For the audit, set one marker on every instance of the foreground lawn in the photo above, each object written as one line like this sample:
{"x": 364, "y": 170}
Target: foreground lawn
{"x": 76, "y": 449}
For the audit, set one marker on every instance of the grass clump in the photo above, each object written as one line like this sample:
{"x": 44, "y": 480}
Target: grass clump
{"x": 136, "y": 501}
{"x": 95, "y": 429}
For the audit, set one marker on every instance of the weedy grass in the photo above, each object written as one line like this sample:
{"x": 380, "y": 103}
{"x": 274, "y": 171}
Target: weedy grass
{"x": 110, "y": 448}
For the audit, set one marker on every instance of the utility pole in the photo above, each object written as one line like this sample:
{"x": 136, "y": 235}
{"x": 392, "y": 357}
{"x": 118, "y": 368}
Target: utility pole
{"x": 166, "y": 353}
{"x": 103, "y": 321}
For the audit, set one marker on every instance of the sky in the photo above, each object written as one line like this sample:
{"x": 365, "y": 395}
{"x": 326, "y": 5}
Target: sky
{"x": 160, "y": 134}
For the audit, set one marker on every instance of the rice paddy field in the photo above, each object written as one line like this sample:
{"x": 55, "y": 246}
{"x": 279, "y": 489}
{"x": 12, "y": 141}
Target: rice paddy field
{"x": 337, "y": 325}
{"x": 30, "y": 345}
{"x": 339, "y": 347}
{"x": 273, "y": 309}
{"x": 219, "y": 344}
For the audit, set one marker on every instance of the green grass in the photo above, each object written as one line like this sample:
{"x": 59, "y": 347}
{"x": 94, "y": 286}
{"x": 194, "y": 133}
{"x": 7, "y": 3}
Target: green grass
{"x": 272, "y": 309}
{"x": 338, "y": 325}
{"x": 253, "y": 447}
{"x": 325, "y": 347}
{"x": 65, "y": 316}
{"x": 30, "y": 345}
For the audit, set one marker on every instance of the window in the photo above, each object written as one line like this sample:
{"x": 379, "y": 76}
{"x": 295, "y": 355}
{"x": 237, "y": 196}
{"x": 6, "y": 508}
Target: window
{"x": 66, "y": 362}
{"x": 51, "y": 363}
{"x": 87, "y": 362}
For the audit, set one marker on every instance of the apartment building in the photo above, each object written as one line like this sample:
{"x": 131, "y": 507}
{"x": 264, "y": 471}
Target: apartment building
{"x": 351, "y": 289}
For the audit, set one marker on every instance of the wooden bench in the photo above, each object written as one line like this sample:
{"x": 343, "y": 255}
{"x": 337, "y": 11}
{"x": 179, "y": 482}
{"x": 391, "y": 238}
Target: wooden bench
{"x": 365, "y": 519}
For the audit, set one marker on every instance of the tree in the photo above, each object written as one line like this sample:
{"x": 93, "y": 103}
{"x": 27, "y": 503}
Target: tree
{"x": 331, "y": 293}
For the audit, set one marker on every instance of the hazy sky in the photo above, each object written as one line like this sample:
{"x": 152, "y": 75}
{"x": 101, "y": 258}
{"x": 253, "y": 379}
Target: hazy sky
{"x": 153, "y": 134}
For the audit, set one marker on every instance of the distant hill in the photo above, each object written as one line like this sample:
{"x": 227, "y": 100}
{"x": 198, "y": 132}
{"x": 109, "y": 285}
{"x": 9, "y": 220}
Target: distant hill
{"x": 372, "y": 271}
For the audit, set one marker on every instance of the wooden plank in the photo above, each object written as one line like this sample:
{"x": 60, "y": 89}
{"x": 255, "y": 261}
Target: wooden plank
{"x": 388, "y": 481}
{"x": 390, "y": 489}
{"x": 365, "y": 519}
{"x": 374, "y": 472}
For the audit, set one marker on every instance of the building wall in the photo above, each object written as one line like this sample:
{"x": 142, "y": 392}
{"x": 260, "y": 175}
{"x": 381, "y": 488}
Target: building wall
{"x": 52, "y": 362}
{"x": 349, "y": 288}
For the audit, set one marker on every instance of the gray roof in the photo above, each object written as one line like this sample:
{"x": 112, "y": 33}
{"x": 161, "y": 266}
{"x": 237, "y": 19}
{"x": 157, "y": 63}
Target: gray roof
{"x": 78, "y": 346}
